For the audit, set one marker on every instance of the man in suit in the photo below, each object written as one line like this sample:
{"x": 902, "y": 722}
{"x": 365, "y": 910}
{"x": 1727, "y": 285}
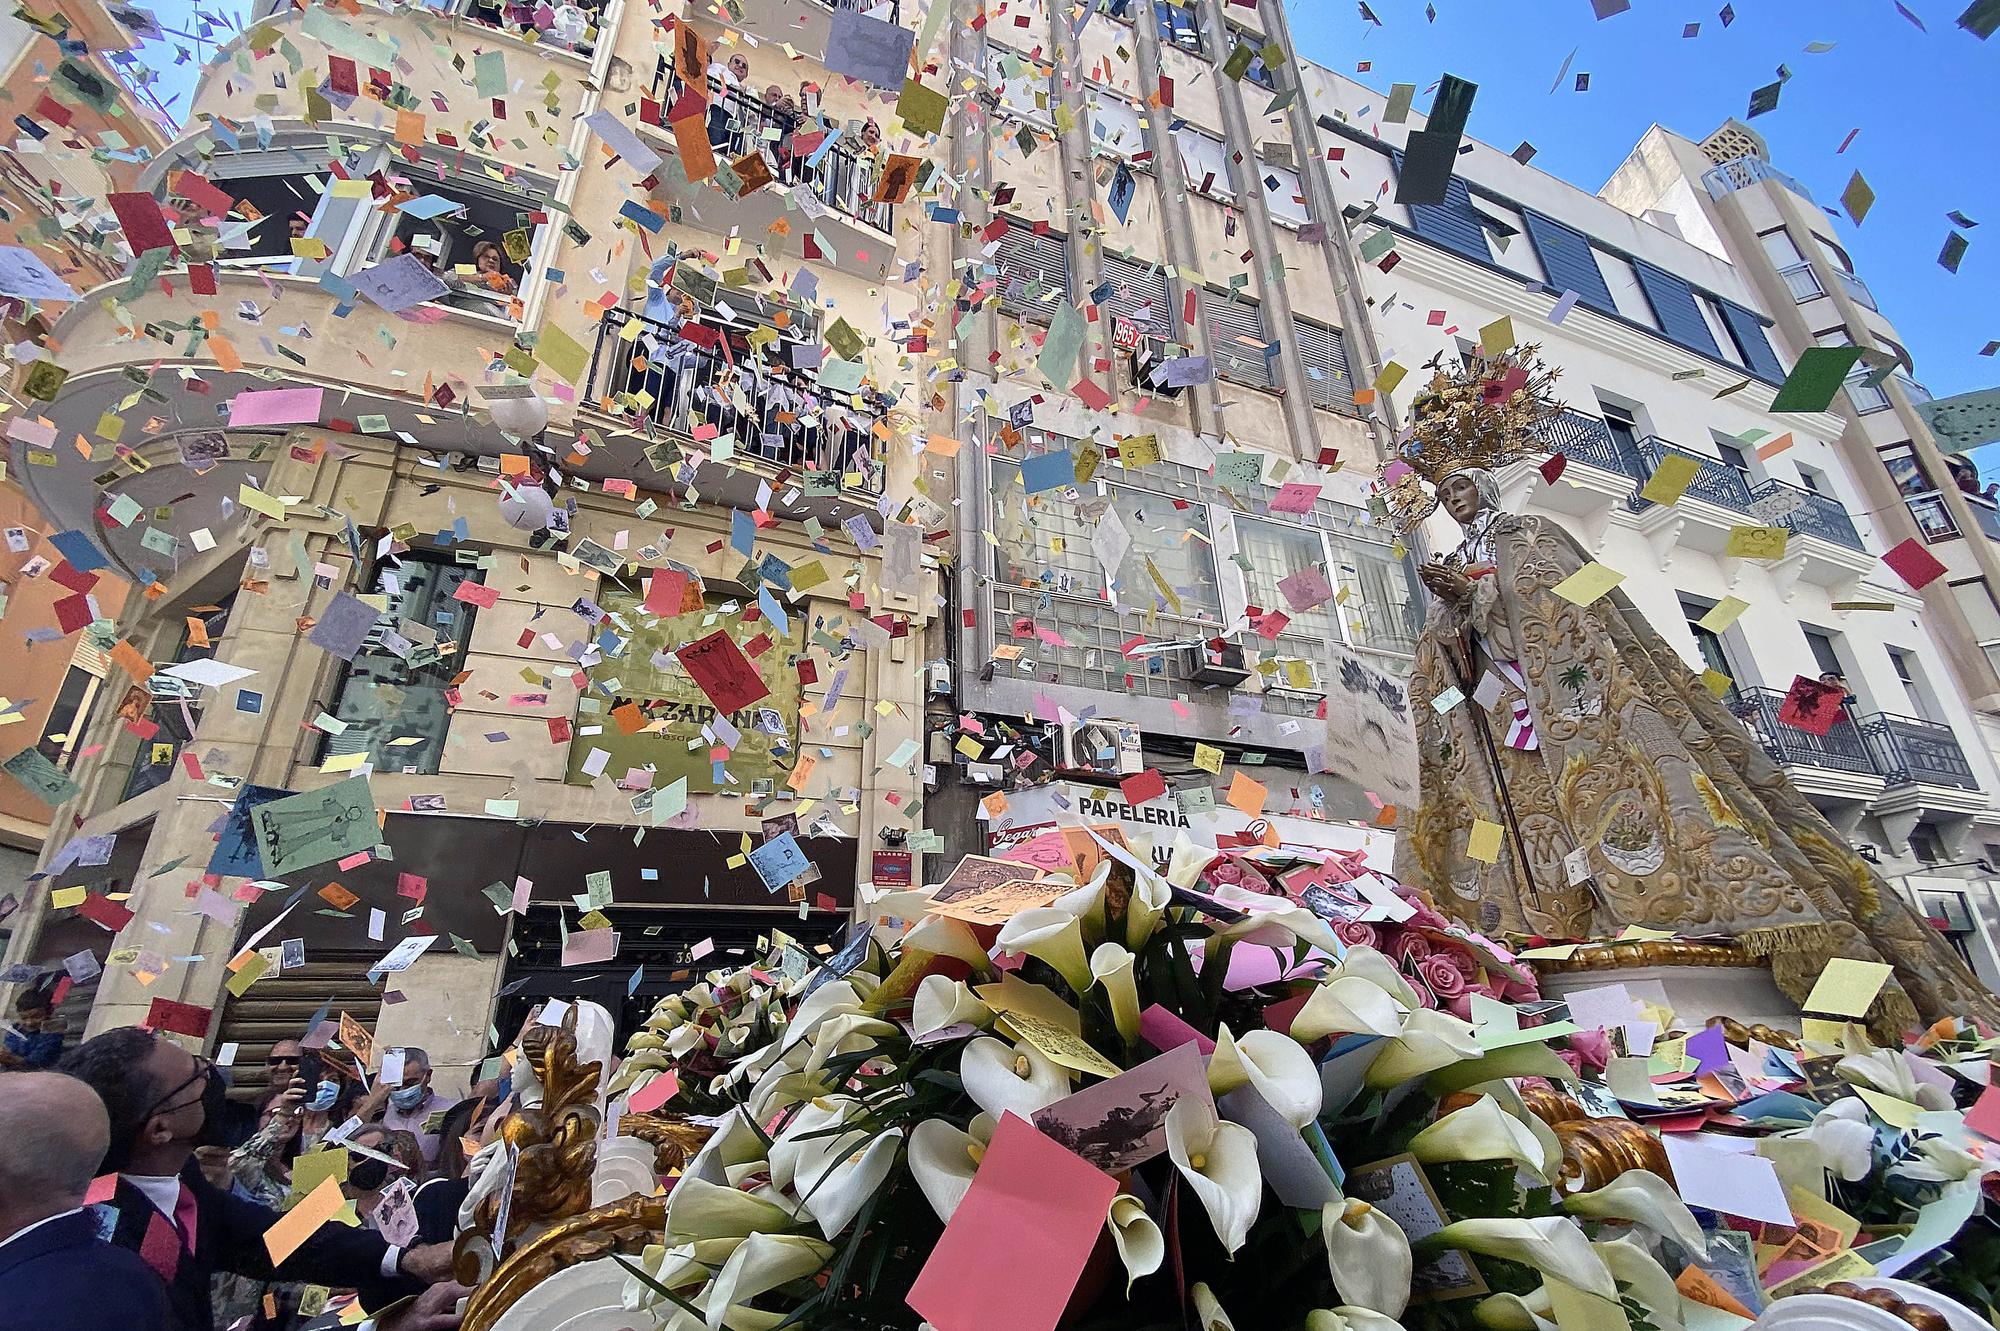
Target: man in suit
{"x": 162, "y": 1101}
{"x": 54, "y": 1268}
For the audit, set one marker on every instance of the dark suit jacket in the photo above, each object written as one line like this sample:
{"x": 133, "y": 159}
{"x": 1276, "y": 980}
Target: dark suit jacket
{"x": 229, "y": 1236}
{"x": 63, "y": 1275}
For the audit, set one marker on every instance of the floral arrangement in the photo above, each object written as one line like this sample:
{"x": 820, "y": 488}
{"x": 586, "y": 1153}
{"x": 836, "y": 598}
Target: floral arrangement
{"x": 866, "y": 1118}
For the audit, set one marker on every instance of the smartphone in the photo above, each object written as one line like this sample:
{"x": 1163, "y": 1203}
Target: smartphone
{"x": 310, "y": 1072}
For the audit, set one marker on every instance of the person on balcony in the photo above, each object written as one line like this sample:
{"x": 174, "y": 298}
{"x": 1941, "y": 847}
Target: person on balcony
{"x": 490, "y": 262}
{"x": 782, "y": 114}
{"x": 671, "y": 358}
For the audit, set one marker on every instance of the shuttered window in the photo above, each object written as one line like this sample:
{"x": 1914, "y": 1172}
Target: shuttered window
{"x": 1748, "y": 330}
{"x": 1031, "y": 268}
{"x": 1569, "y": 262}
{"x": 1237, "y": 339}
{"x": 1325, "y": 354}
{"x": 1673, "y": 302}
{"x": 1452, "y": 224}
{"x": 1140, "y": 295}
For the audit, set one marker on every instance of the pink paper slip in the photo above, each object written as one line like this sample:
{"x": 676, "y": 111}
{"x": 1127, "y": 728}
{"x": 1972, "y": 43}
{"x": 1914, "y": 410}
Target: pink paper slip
{"x": 275, "y": 406}
{"x": 1010, "y": 1258}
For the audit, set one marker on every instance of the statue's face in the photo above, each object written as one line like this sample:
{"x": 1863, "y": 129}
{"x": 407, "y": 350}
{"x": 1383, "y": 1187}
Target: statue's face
{"x": 1460, "y": 498}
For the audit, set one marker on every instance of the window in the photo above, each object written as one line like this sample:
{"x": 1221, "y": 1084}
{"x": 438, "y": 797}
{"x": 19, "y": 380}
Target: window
{"x": 392, "y": 697}
{"x": 1178, "y": 26}
{"x": 1034, "y": 270}
{"x": 1138, "y": 296}
{"x": 175, "y": 704}
{"x": 1325, "y": 355}
{"x": 1915, "y": 686}
{"x": 1272, "y": 552}
{"x": 1780, "y": 250}
{"x": 1626, "y": 294}
{"x": 1623, "y": 425}
{"x": 1205, "y": 161}
{"x": 1115, "y": 130}
{"x": 1284, "y": 193}
{"x": 1731, "y": 452}
{"x": 1981, "y": 615}
{"x": 1506, "y": 238}
{"x": 1046, "y": 543}
{"x": 1919, "y": 492}
{"x": 1928, "y": 846}
{"x": 1236, "y": 339}
{"x": 1718, "y": 328}
{"x": 69, "y": 716}
{"x": 1021, "y": 84}
{"x": 1826, "y": 661}
{"x": 1815, "y": 481}
{"x": 1714, "y": 655}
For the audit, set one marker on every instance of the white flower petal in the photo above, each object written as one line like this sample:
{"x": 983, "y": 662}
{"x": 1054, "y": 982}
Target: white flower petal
{"x": 760, "y": 1264}
{"x": 1141, "y": 1245}
{"x": 1348, "y": 1005}
{"x": 1049, "y": 934}
{"x": 988, "y": 1069}
{"x": 1480, "y": 1131}
{"x": 1227, "y": 1180}
{"x": 1648, "y": 1201}
{"x": 942, "y": 1001}
{"x": 1369, "y": 1255}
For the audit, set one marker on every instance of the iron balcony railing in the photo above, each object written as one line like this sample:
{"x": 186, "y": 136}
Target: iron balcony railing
{"x": 1806, "y": 512}
{"x": 1909, "y": 750}
{"x": 1743, "y": 172}
{"x": 841, "y": 174}
{"x": 1841, "y": 749}
{"x": 1856, "y": 289}
{"x": 774, "y": 413}
{"x": 1716, "y": 481}
{"x": 1802, "y": 282}
{"x": 1585, "y": 439}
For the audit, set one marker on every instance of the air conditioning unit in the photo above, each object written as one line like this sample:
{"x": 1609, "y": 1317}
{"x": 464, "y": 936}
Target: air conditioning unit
{"x": 1100, "y": 748}
{"x": 1216, "y": 663}
{"x": 1152, "y": 352}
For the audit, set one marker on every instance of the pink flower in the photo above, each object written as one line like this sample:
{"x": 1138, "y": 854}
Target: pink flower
{"x": 1461, "y": 961}
{"x": 1426, "y": 917}
{"x": 1461, "y": 1007}
{"x": 1442, "y": 978}
{"x": 1592, "y": 1048}
{"x": 1356, "y": 934}
{"x": 1408, "y": 947}
{"x": 1519, "y": 991}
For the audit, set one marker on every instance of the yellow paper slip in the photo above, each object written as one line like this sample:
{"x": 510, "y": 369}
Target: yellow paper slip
{"x": 1483, "y": 842}
{"x": 1588, "y": 583}
{"x": 1846, "y": 987}
{"x": 300, "y": 1223}
{"x": 1670, "y": 479}
{"x": 1757, "y": 542}
{"x": 1723, "y": 613}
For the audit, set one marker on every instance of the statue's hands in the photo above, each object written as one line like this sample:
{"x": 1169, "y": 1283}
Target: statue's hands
{"x": 1448, "y": 584}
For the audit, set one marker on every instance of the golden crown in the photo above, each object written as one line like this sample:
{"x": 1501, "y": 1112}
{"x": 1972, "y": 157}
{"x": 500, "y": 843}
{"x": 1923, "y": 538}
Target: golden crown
{"x": 1481, "y": 413}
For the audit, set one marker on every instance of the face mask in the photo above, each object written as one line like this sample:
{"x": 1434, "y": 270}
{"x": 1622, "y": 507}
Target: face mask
{"x": 407, "y": 1098}
{"x": 214, "y": 1105}
{"x": 324, "y": 1096}
{"x": 367, "y": 1175}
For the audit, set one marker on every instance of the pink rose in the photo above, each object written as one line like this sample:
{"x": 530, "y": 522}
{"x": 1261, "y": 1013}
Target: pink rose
{"x": 1426, "y": 917}
{"x": 1461, "y": 1007}
{"x": 1519, "y": 991}
{"x": 1463, "y": 962}
{"x": 1356, "y": 934}
{"x": 1408, "y": 947}
{"x": 1592, "y": 1048}
{"x": 1442, "y": 978}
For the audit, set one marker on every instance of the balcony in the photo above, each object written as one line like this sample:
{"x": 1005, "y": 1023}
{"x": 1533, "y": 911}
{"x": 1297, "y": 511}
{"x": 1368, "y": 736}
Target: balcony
{"x": 1805, "y": 512}
{"x": 769, "y": 413}
{"x": 1802, "y": 282}
{"x": 1743, "y": 172}
{"x": 1856, "y": 289}
{"x": 1841, "y": 749}
{"x": 831, "y": 179}
{"x": 1908, "y": 750}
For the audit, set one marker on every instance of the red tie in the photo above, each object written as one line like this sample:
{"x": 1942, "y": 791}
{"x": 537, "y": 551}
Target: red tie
{"x": 186, "y": 1218}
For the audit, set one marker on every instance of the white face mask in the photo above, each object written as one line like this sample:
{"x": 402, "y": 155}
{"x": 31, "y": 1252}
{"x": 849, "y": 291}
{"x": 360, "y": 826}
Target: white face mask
{"x": 407, "y": 1098}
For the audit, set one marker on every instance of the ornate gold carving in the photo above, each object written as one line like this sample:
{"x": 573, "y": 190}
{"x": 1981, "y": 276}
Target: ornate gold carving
{"x": 557, "y": 1140}
{"x": 625, "y": 1226}
{"x": 1551, "y": 1106}
{"x": 674, "y": 1142}
{"x": 1598, "y": 1150}
{"x": 1663, "y": 952}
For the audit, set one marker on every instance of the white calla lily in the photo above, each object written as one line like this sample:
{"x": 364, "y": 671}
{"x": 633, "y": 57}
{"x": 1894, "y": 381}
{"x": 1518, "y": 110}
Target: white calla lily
{"x": 1053, "y": 935}
{"x": 1643, "y": 1198}
{"x": 943, "y": 936}
{"x": 1111, "y": 966}
{"x": 761, "y": 1263}
{"x": 1275, "y": 1064}
{"x": 1208, "y": 1313}
{"x": 1369, "y": 1255}
{"x": 1644, "y": 1280}
{"x": 943, "y": 1159}
{"x": 1480, "y": 1131}
{"x": 1141, "y": 1246}
{"x": 1511, "y": 1312}
{"x": 822, "y": 1167}
{"x": 1150, "y": 897}
{"x": 698, "y": 1209}
{"x": 1552, "y": 1244}
{"x": 1365, "y": 963}
{"x": 1348, "y": 1317}
{"x": 942, "y": 1001}
{"x": 1272, "y": 921}
{"x": 1002, "y": 1077}
{"x": 1349, "y": 1005}
{"x": 1186, "y": 861}
{"x": 1087, "y": 904}
{"x": 1428, "y": 1041}
{"x": 1219, "y": 1161}
{"x": 1888, "y": 1072}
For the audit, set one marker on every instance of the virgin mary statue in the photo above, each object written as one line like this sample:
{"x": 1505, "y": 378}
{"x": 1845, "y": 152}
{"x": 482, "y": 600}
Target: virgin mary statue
{"x": 1575, "y": 777}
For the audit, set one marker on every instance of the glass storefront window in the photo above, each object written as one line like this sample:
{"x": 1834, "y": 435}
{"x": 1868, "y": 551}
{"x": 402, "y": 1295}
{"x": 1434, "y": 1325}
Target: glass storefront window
{"x": 392, "y": 697}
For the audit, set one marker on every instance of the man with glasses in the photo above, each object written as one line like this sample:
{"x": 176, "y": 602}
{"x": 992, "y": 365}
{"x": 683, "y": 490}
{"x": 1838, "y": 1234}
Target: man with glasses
{"x": 164, "y": 1102}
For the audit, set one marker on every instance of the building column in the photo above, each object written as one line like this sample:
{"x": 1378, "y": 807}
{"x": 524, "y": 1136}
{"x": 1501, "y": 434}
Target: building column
{"x": 1244, "y": 178}
{"x": 1171, "y": 181}
{"x": 1079, "y": 194}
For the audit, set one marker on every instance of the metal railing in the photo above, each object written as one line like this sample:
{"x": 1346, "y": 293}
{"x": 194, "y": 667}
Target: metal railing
{"x": 1806, "y": 512}
{"x": 840, "y": 174}
{"x": 776, "y": 414}
{"x": 1802, "y": 282}
{"x": 1717, "y": 482}
{"x": 1841, "y": 749}
{"x": 1585, "y": 439}
{"x": 1908, "y": 749}
{"x": 1743, "y": 172}
{"x": 1856, "y": 289}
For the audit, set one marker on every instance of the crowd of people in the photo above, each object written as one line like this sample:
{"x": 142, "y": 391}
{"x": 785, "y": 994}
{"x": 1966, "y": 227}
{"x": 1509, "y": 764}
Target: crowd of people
{"x": 135, "y": 1194}
{"x": 792, "y": 134}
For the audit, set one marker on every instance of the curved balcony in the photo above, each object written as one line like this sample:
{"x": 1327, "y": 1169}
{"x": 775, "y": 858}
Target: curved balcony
{"x": 418, "y": 48}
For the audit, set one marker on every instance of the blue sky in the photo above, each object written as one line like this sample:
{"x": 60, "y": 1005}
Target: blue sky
{"x": 1925, "y": 104}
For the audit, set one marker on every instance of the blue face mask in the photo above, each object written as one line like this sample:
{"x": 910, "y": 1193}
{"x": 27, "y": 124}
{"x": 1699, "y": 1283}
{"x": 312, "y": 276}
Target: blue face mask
{"x": 407, "y": 1098}
{"x": 324, "y": 1096}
